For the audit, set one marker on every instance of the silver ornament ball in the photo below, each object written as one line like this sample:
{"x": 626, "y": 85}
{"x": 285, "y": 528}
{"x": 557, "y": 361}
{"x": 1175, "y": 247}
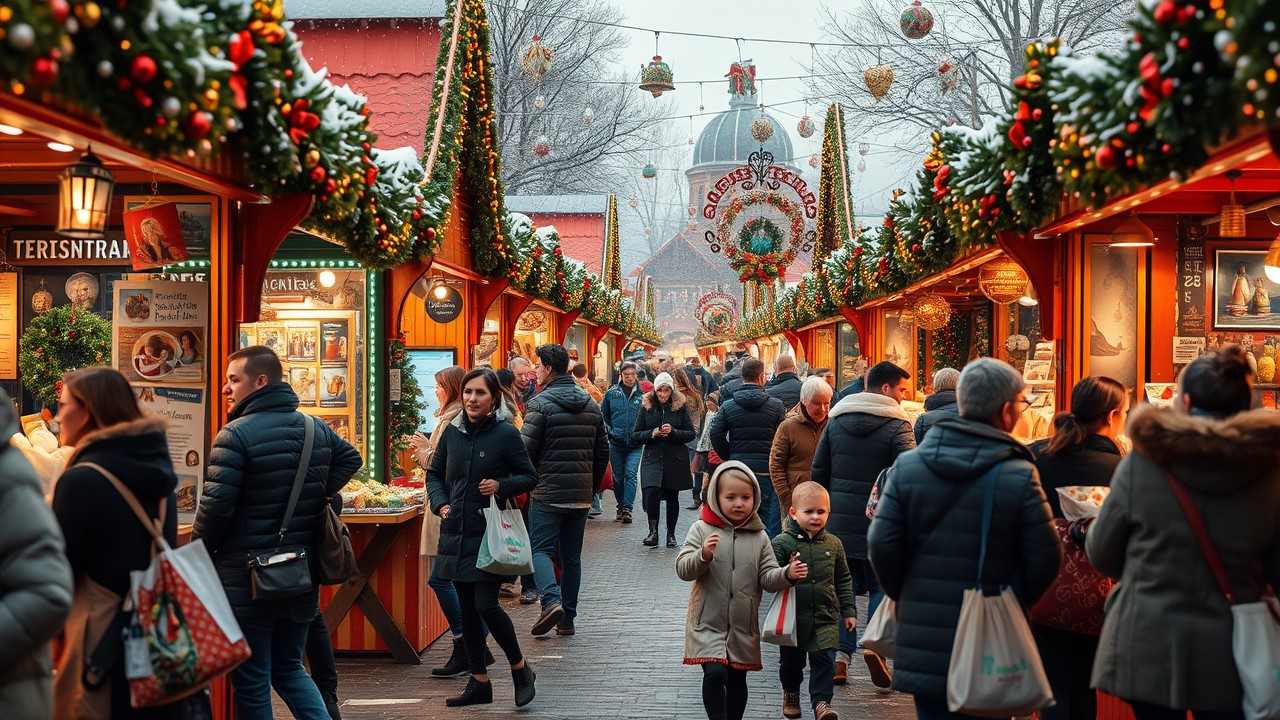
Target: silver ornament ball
{"x": 22, "y": 36}
{"x": 105, "y": 69}
{"x": 171, "y": 106}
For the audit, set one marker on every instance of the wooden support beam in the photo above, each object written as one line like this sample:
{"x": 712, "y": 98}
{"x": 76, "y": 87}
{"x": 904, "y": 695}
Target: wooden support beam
{"x": 483, "y": 298}
{"x": 1037, "y": 257}
{"x": 264, "y": 228}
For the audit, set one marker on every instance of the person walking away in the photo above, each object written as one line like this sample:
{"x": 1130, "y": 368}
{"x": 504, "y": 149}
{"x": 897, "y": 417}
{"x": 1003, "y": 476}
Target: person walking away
{"x": 35, "y": 593}
{"x": 732, "y": 379}
{"x": 728, "y": 558}
{"x": 702, "y": 465}
{"x": 620, "y": 409}
{"x": 246, "y": 498}
{"x": 941, "y": 404}
{"x": 579, "y": 372}
{"x": 664, "y": 430}
{"x": 785, "y": 385}
{"x": 743, "y": 430}
{"x": 479, "y": 457}
{"x": 1081, "y": 451}
{"x": 1166, "y": 645}
{"x": 791, "y": 455}
{"x": 866, "y": 432}
{"x": 565, "y": 436}
{"x": 824, "y": 601}
{"x": 924, "y": 542}
{"x": 696, "y": 406}
{"x": 98, "y": 414}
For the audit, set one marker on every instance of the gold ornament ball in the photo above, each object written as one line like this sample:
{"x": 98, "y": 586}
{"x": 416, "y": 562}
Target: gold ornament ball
{"x": 878, "y": 79}
{"x": 761, "y": 129}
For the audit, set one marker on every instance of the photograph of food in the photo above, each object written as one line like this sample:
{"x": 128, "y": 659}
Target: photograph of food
{"x": 333, "y": 387}
{"x": 137, "y": 305}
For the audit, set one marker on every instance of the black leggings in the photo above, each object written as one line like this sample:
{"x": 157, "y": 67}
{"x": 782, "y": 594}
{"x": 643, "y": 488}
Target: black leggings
{"x": 479, "y": 601}
{"x": 653, "y": 498}
{"x": 724, "y": 692}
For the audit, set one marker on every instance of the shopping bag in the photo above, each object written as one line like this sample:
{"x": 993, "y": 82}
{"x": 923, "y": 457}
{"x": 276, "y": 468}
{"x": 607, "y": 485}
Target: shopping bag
{"x": 1255, "y": 642}
{"x": 504, "y": 549}
{"x": 995, "y": 667}
{"x": 780, "y": 621}
{"x": 1074, "y": 601}
{"x": 881, "y": 634}
{"x": 873, "y": 501}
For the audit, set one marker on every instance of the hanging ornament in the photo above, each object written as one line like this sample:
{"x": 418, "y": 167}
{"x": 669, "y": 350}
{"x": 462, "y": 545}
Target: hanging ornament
{"x": 692, "y": 226}
{"x": 1002, "y": 281}
{"x": 878, "y": 78}
{"x": 542, "y": 146}
{"x": 42, "y": 299}
{"x": 22, "y": 36}
{"x": 650, "y": 172}
{"x": 932, "y": 311}
{"x": 863, "y": 149}
{"x": 539, "y": 103}
{"x": 656, "y": 77}
{"x": 143, "y": 69}
{"x": 536, "y": 59}
{"x": 588, "y": 115}
{"x": 634, "y": 203}
{"x": 814, "y": 161}
{"x": 692, "y": 211}
{"x": 805, "y": 127}
{"x": 761, "y": 129}
{"x": 917, "y": 21}
{"x": 862, "y": 165}
{"x": 948, "y": 76}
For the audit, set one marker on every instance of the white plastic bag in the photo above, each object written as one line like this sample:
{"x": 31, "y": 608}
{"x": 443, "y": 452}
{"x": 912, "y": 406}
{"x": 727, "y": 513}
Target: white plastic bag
{"x": 196, "y": 568}
{"x": 780, "y": 622}
{"x": 881, "y": 635}
{"x": 995, "y": 667}
{"x": 1082, "y": 501}
{"x": 1255, "y": 642}
{"x": 504, "y": 549}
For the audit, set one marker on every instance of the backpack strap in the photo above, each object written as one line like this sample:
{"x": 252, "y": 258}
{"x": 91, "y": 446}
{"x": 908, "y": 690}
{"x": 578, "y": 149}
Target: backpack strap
{"x": 155, "y": 527}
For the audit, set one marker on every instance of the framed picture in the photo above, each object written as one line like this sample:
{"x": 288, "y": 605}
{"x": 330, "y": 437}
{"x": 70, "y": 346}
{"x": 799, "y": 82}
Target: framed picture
{"x": 197, "y": 220}
{"x": 333, "y": 387}
{"x": 426, "y": 363}
{"x": 1243, "y": 297}
{"x": 334, "y": 343}
{"x": 1114, "y": 288}
{"x": 274, "y": 337}
{"x": 302, "y": 378}
{"x": 302, "y": 343}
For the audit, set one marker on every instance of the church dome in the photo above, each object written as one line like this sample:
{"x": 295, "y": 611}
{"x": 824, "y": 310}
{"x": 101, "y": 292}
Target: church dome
{"x": 727, "y": 138}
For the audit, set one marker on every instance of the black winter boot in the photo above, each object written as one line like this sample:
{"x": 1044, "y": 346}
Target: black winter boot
{"x": 671, "y": 538}
{"x": 523, "y": 679}
{"x": 651, "y": 539}
{"x": 457, "y": 663}
{"x": 477, "y": 693}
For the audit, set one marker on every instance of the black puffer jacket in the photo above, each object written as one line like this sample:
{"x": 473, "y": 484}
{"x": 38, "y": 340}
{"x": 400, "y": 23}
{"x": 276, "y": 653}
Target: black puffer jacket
{"x": 1093, "y": 463}
{"x": 743, "y": 430}
{"x": 468, "y": 453}
{"x": 941, "y": 404}
{"x": 246, "y": 490}
{"x": 928, "y": 572}
{"x": 564, "y": 433}
{"x": 665, "y": 462}
{"x": 865, "y": 433}
{"x": 786, "y": 387}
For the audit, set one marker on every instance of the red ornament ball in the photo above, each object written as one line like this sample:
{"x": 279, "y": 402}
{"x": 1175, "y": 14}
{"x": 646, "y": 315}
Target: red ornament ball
{"x": 1165, "y": 12}
{"x": 143, "y": 69}
{"x": 431, "y": 234}
{"x": 61, "y": 9}
{"x": 1133, "y": 127}
{"x": 1106, "y": 157}
{"x": 318, "y": 174}
{"x": 44, "y": 71}
{"x": 198, "y": 124}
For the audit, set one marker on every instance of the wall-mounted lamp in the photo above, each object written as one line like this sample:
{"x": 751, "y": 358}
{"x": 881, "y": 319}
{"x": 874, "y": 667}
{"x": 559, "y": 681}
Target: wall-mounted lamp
{"x": 1029, "y": 297}
{"x": 1133, "y": 233}
{"x": 439, "y": 289}
{"x": 328, "y": 279}
{"x": 84, "y": 198}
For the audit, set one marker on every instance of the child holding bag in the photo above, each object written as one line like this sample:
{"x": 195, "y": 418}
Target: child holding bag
{"x": 822, "y": 601}
{"x": 728, "y": 558}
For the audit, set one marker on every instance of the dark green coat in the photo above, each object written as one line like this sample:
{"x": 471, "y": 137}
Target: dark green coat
{"x": 825, "y": 597}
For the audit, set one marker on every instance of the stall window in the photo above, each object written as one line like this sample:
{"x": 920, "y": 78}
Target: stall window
{"x": 532, "y": 329}
{"x": 849, "y": 350}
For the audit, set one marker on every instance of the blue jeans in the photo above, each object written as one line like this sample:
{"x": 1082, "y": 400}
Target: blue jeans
{"x": 277, "y": 645}
{"x": 626, "y": 465}
{"x": 447, "y": 596}
{"x": 864, "y": 581}
{"x": 563, "y": 527}
{"x": 770, "y": 515}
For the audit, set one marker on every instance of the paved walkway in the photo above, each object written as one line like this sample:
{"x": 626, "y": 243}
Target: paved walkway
{"x": 625, "y": 661}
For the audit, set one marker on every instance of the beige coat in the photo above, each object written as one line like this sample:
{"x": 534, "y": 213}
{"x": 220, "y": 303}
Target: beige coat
{"x": 1167, "y": 635}
{"x": 791, "y": 457}
{"x": 723, "y": 624}
{"x": 430, "y": 521}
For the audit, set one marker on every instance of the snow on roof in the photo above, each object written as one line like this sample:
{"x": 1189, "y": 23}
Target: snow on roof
{"x": 370, "y": 9}
{"x": 594, "y": 204}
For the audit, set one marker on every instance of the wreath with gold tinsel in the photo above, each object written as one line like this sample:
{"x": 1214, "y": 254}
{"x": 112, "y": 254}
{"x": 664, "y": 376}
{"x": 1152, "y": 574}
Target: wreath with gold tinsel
{"x": 59, "y": 340}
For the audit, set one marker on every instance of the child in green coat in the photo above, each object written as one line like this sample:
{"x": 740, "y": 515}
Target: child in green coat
{"x": 823, "y": 600}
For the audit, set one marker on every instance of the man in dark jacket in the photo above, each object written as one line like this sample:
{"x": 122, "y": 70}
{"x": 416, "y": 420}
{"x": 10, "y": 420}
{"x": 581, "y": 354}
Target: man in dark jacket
{"x": 252, "y": 466}
{"x": 565, "y": 436}
{"x": 925, "y": 540}
{"x": 731, "y": 381}
{"x": 743, "y": 430}
{"x": 785, "y": 384}
{"x": 699, "y": 377}
{"x": 941, "y": 404}
{"x": 865, "y": 434}
{"x": 620, "y": 407}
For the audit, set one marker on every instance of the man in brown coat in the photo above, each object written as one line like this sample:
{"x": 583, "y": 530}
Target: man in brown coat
{"x": 796, "y": 439}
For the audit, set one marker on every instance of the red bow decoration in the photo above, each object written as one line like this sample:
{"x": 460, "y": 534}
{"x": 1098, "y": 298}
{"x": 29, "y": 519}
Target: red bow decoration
{"x": 301, "y": 122}
{"x": 1018, "y": 132}
{"x": 240, "y": 50}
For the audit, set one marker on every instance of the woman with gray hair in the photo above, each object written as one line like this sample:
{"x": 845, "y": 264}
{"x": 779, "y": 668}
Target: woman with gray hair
{"x": 796, "y": 440}
{"x": 941, "y": 404}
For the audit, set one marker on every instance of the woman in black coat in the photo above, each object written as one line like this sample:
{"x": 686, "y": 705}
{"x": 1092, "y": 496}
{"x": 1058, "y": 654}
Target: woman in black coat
{"x": 664, "y": 428}
{"x": 480, "y": 455}
{"x": 1082, "y": 451}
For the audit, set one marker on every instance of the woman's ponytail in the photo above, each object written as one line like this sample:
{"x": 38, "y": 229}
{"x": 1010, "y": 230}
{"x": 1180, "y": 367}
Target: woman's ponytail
{"x": 1092, "y": 401}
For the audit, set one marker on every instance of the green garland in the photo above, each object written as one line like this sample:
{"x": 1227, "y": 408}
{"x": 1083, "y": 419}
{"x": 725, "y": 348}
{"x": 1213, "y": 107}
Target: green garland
{"x": 59, "y": 340}
{"x": 406, "y": 413}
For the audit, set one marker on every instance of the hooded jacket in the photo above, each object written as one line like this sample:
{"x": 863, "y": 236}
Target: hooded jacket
{"x": 1167, "y": 635}
{"x": 564, "y": 434}
{"x": 619, "y": 409}
{"x": 825, "y": 595}
{"x": 665, "y": 462}
{"x": 926, "y": 570}
{"x": 468, "y": 453}
{"x": 35, "y": 587}
{"x": 246, "y": 491}
{"x": 791, "y": 455}
{"x": 723, "y": 622}
{"x": 786, "y": 387}
{"x": 865, "y": 433}
{"x": 730, "y": 383}
{"x": 744, "y": 428}
{"x": 941, "y": 404}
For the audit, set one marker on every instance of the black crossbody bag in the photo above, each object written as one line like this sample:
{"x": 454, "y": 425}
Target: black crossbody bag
{"x": 286, "y": 571}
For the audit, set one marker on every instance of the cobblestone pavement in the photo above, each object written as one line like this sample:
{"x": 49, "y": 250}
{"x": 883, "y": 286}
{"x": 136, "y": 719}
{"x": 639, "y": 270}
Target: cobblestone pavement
{"x": 624, "y": 662}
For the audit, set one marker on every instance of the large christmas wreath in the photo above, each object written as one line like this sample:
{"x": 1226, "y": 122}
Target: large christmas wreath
{"x": 406, "y": 413}
{"x": 61, "y": 339}
{"x": 761, "y": 233}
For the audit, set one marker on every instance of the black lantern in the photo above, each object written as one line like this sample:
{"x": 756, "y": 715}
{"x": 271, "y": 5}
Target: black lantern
{"x": 84, "y": 198}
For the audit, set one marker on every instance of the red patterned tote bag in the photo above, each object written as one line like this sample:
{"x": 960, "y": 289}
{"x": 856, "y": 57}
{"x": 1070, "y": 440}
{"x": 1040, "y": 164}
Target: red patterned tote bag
{"x": 1074, "y": 601}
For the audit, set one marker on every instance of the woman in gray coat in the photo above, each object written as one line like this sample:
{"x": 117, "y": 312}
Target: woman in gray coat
{"x": 1166, "y": 643}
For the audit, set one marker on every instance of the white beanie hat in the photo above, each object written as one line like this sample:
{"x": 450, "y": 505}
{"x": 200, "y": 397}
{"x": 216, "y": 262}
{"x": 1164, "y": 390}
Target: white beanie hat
{"x": 664, "y": 379}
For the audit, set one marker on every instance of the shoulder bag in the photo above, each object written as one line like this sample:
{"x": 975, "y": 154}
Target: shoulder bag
{"x": 286, "y": 571}
{"x": 336, "y": 559}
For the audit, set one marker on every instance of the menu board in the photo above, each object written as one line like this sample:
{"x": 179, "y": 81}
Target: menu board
{"x": 9, "y": 311}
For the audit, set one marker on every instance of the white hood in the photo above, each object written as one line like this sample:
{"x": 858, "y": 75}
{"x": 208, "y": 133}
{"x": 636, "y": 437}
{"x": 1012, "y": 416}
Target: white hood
{"x": 870, "y": 404}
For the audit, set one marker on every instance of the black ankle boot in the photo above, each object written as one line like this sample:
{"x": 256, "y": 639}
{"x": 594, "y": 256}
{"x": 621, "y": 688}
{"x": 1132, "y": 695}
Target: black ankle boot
{"x": 671, "y": 538}
{"x": 457, "y": 663}
{"x": 523, "y": 679}
{"x": 476, "y": 693}
{"x": 651, "y": 539}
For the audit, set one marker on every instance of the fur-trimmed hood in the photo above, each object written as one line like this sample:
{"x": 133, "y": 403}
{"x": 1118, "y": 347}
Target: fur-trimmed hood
{"x": 137, "y": 452}
{"x": 869, "y": 403}
{"x": 677, "y": 399}
{"x": 1208, "y": 454}
{"x": 143, "y": 425}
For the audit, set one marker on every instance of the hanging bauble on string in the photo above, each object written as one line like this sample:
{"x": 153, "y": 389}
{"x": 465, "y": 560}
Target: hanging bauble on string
{"x": 542, "y": 146}
{"x": 650, "y": 172}
{"x": 878, "y": 78}
{"x": 948, "y": 76}
{"x": 41, "y": 299}
{"x": 814, "y": 161}
{"x": 692, "y": 226}
{"x": 634, "y": 203}
{"x": 805, "y": 127}
{"x": 536, "y": 59}
{"x": 917, "y": 21}
{"x": 656, "y": 77}
{"x": 588, "y": 115}
{"x": 761, "y": 129}
{"x": 539, "y": 103}
{"x": 863, "y": 149}
{"x": 932, "y": 311}
{"x": 862, "y": 165}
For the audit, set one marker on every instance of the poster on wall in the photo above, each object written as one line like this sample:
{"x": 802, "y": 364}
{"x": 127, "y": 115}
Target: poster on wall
{"x": 1113, "y": 305}
{"x": 1242, "y": 292}
{"x": 899, "y": 341}
{"x": 183, "y": 408}
{"x": 155, "y": 235}
{"x": 10, "y": 313}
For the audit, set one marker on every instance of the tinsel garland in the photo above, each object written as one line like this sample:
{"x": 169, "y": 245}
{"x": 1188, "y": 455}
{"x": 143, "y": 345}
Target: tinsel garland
{"x": 405, "y": 413}
{"x": 59, "y": 340}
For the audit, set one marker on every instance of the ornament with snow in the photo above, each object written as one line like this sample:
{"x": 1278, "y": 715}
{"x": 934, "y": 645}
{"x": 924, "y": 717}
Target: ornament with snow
{"x": 542, "y": 146}
{"x": 917, "y": 21}
{"x": 656, "y": 77}
{"x": 814, "y": 161}
{"x": 805, "y": 127}
{"x": 588, "y": 115}
{"x": 536, "y": 59}
{"x": 761, "y": 129}
{"x": 649, "y": 172}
